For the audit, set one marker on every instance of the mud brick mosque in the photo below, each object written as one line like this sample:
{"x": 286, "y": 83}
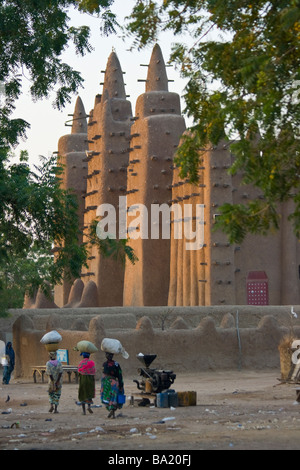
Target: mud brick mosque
{"x": 116, "y": 158}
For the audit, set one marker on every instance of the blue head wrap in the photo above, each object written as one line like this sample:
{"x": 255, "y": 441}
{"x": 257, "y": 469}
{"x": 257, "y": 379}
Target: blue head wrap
{"x": 85, "y": 355}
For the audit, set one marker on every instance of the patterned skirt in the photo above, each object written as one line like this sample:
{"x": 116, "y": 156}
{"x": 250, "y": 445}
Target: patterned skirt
{"x": 54, "y": 396}
{"x": 109, "y": 393}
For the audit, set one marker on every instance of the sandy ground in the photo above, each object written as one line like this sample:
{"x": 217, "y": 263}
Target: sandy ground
{"x": 236, "y": 410}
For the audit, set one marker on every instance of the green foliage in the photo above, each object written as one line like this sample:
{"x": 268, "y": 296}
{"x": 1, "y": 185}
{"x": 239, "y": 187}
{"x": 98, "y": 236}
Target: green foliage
{"x": 108, "y": 24}
{"x": 243, "y": 74}
{"x": 237, "y": 220}
{"x": 145, "y": 21}
{"x": 33, "y": 36}
{"x": 119, "y": 250}
{"x": 36, "y": 214}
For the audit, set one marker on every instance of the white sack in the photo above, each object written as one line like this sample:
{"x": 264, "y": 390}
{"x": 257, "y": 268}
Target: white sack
{"x": 113, "y": 346}
{"x": 51, "y": 337}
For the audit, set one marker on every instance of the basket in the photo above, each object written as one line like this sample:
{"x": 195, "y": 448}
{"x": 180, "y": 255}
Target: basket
{"x": 51, "y": 347}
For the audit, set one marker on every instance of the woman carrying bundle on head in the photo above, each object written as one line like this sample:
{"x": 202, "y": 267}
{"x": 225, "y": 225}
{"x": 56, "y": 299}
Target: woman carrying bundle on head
{"x": 55, "y": 372}
{"x": 86, "y": 391}
{"x": 111, "y": 385}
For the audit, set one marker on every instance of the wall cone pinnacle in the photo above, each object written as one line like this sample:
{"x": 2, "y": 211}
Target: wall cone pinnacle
{"x": 79, "y": 125}
{"x": 157, "y": 79}
{"x": 113, "y": 81}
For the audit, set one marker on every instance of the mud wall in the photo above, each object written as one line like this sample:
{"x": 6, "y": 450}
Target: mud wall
{"x": 213, "y": 344}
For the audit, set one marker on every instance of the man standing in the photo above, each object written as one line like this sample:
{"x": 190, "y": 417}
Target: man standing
{"x": 10, "y": 365}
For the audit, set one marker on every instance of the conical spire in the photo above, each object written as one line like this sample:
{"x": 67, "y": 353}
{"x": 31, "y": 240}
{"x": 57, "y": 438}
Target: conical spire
{"x": 79, "y": 125}
{"x": 157, "y": 79}
{"x": 113, "y": 81}
{"x": 106, "y": 112}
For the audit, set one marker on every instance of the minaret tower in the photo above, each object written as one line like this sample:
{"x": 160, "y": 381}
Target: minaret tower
{"x": 71, "y": 154}
{"x": 155, "y": 135}
{"x": 108, "y": 155}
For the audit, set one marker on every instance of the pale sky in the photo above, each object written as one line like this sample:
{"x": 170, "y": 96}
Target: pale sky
{"x": 48, "y": 124}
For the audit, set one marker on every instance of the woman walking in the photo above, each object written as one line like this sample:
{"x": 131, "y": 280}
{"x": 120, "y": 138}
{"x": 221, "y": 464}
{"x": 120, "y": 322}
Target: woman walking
{"x": 112, "y": 385}
{"x": 55, "y": 372}
{"x": 86, "y": 391}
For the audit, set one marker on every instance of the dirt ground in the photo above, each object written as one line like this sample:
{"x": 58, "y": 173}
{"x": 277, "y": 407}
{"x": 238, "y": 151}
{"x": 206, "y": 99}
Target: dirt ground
{"x": 235, "y": 410}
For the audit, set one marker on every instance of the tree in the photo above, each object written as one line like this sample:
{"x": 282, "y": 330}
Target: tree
{"x": 35, "y": 212}
{"x": 33, "y": 36}
{"x": 243, "y": 73}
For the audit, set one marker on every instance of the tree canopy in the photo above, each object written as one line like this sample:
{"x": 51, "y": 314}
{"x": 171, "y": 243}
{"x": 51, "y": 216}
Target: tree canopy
{"x": 35, "y": 212}
{"x": 33, "y": 36}
{"x": 243, "y": 73}
{"x": 37, "y": 216}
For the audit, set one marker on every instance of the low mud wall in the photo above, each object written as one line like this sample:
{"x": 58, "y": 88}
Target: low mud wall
{"x": 246, "y": 316}
{"x": 219, "y": 341}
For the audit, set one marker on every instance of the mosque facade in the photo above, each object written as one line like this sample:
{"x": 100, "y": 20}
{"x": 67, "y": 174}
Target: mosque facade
{"x": 121, "y": 165}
